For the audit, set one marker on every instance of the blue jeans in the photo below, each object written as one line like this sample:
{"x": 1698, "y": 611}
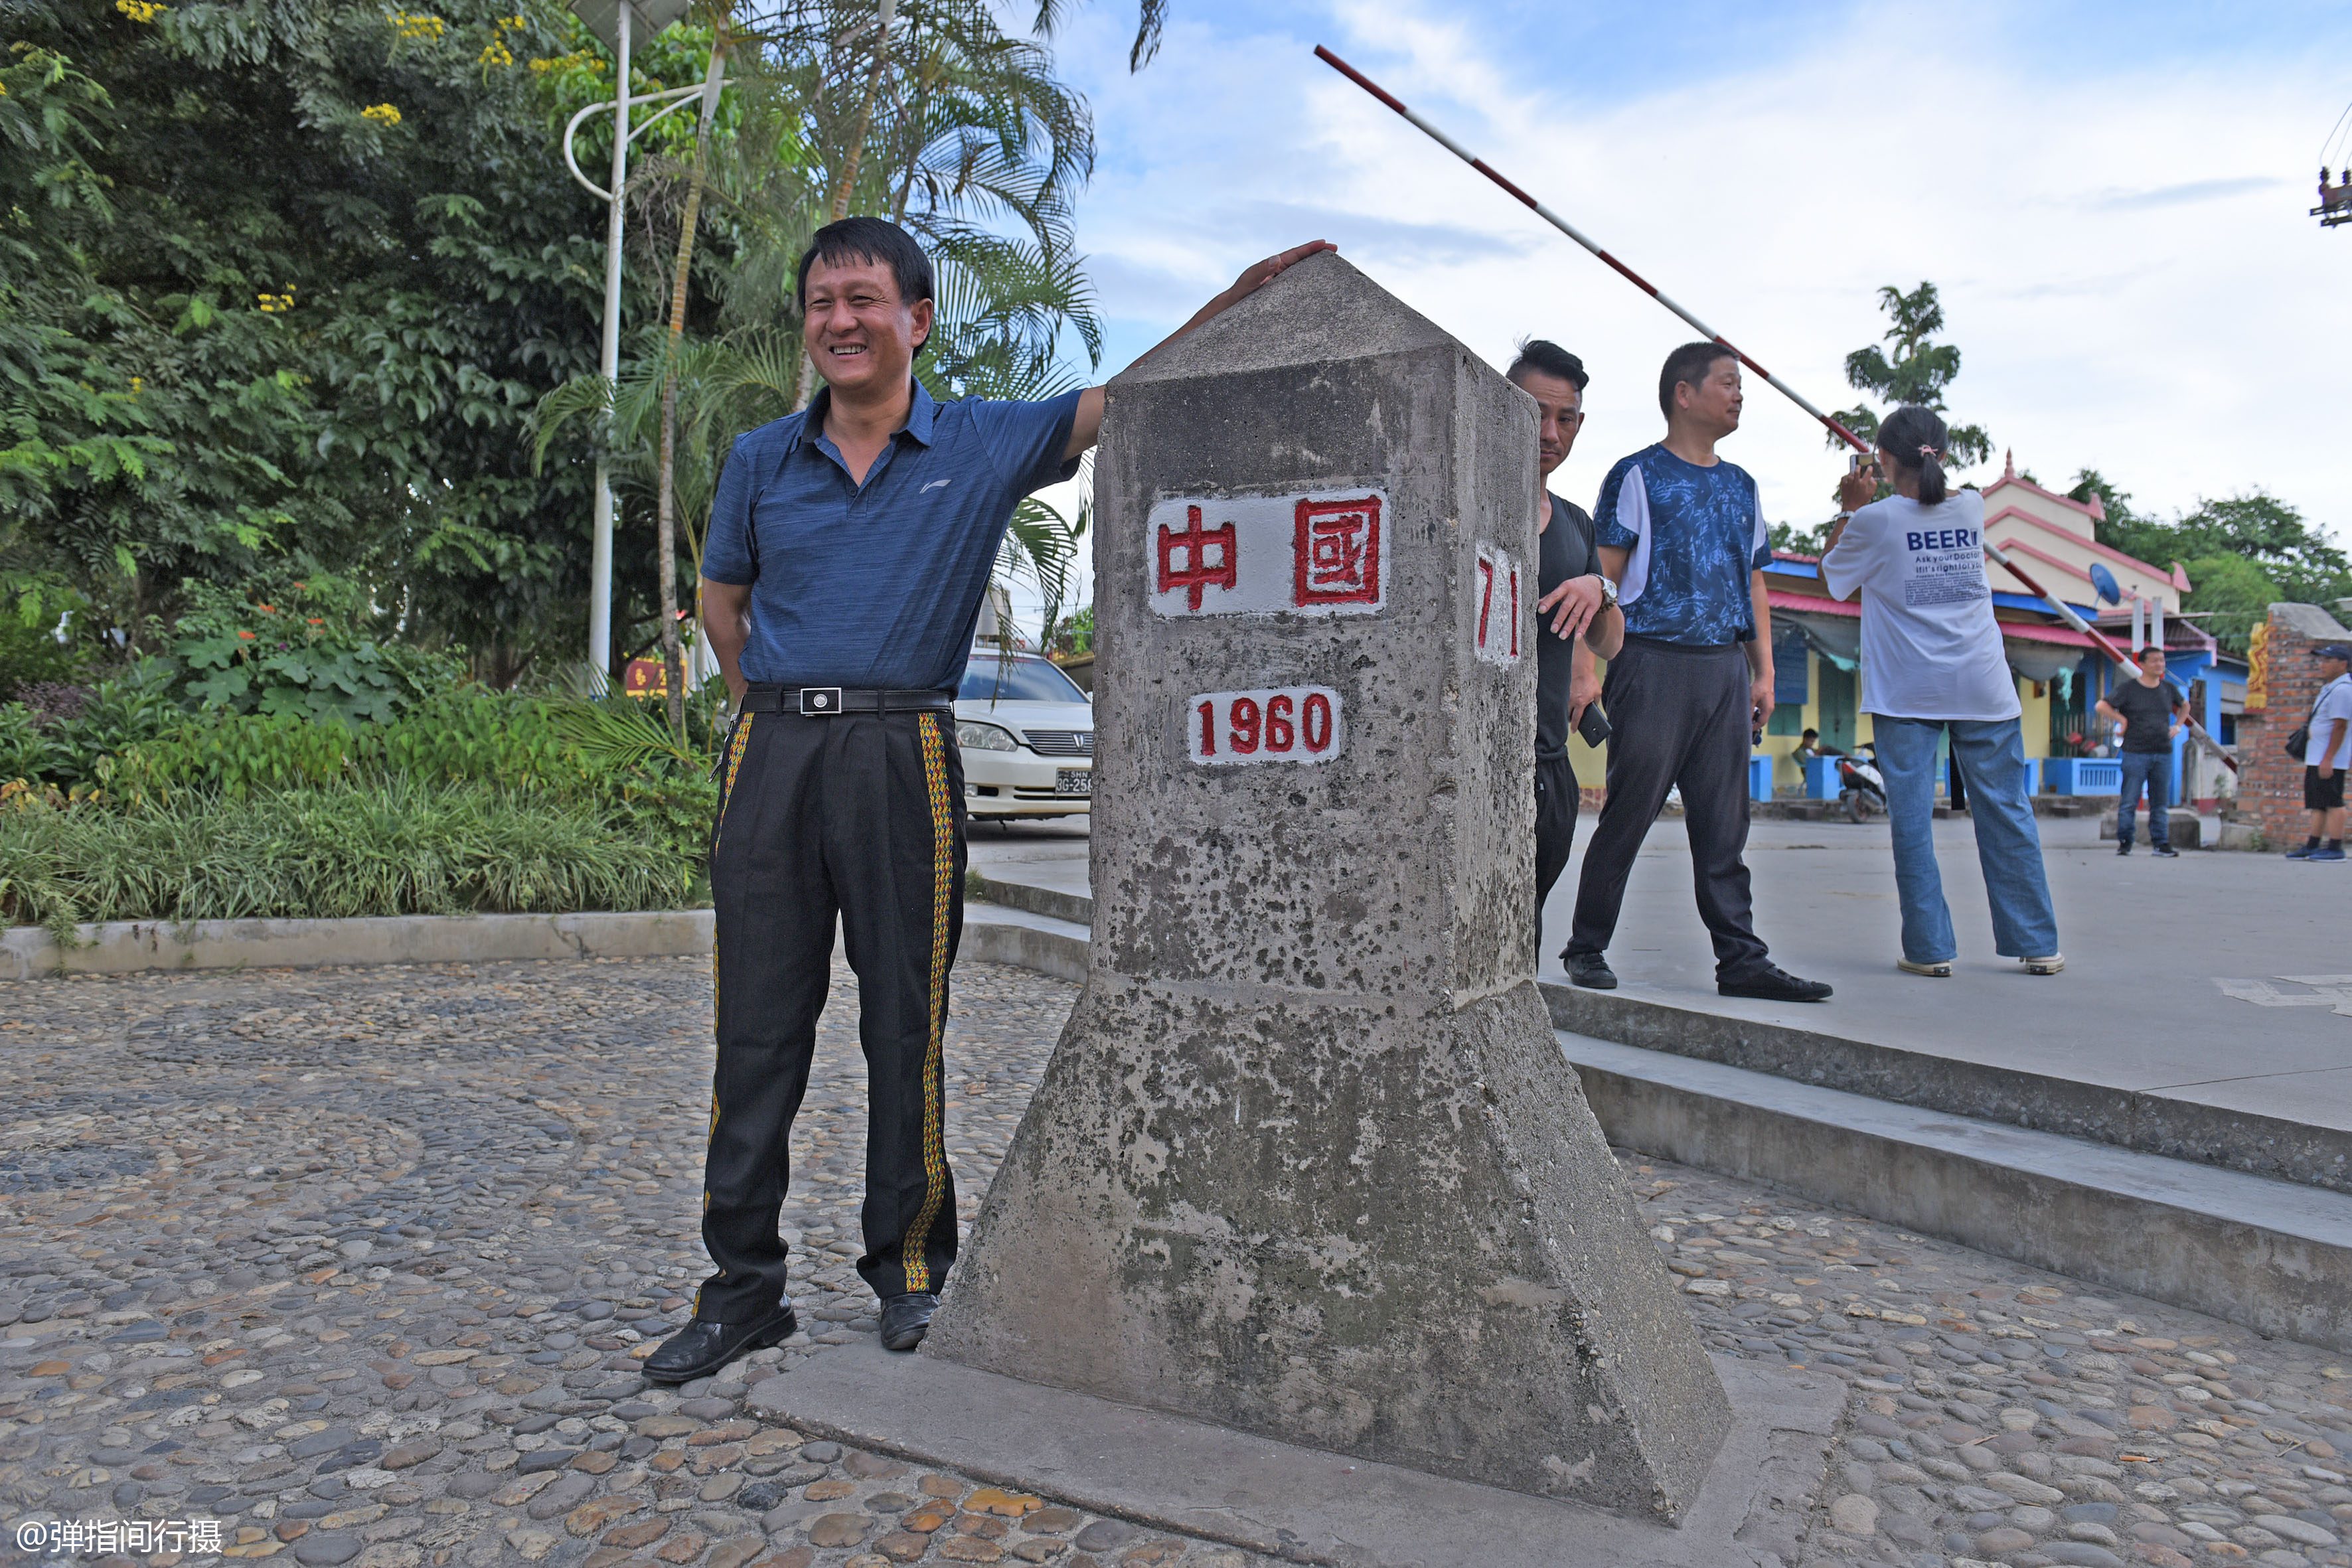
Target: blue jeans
{"x": 2153, "y": 770}
{"x": 2009, "y": 848}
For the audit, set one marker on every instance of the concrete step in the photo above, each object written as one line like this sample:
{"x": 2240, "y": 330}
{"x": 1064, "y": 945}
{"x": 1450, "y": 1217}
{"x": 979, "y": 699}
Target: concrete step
{"x": 2274, "y": 1255}
{"x": 2151, "y": 1122}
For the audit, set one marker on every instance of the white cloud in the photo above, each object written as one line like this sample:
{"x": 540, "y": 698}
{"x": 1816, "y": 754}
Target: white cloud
{"x": 2125, "y": 258}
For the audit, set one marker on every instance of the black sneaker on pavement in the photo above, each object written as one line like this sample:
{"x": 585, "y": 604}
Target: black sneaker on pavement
{"x": 1590, "y": 970}
{"x": 1773, "y": 984}
{"x": 2123, "y": 847}
{"x": 2167, "y": 852}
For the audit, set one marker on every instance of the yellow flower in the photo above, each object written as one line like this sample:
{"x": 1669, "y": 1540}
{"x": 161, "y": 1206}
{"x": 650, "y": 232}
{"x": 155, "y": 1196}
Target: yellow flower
{"x": 495, "y": 53}
{"x": 138, "y": 385}
{"x": 417, "y": 24}
{"x": 140, "y": 10}
{"x": 383, "y": 114}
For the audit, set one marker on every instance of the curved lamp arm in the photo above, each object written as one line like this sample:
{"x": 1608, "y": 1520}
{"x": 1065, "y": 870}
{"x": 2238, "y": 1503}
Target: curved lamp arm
{"x": 570, "y": 161}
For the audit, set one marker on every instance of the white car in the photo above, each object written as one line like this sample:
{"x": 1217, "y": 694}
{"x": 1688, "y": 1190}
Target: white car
{"x": 1027, "y": 734}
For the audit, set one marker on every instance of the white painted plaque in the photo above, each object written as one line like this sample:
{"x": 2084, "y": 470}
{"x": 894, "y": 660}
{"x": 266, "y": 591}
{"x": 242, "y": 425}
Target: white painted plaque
{"x": 1284, "y": 725}
{"x": 1495, "y": 616}
{"x": 1326, "y": 552}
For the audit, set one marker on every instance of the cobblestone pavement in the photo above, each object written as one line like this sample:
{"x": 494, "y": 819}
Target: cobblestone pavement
{"x": 357, "y": 1265}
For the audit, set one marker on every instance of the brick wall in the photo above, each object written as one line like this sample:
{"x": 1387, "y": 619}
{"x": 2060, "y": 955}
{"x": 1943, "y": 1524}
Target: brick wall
{"x": 2270, "y": 783}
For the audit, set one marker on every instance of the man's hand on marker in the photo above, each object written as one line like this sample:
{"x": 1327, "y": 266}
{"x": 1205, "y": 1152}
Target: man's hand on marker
{"x": 1257, "y": 277}
{"x": 1580, "y": 599}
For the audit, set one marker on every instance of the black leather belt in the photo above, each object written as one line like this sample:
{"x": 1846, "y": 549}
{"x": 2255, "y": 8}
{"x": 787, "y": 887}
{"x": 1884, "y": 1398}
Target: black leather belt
{"x": 824, "y": 702}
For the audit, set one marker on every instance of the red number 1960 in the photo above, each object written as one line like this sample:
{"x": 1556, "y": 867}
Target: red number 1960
{"x": 1292, "y": 725}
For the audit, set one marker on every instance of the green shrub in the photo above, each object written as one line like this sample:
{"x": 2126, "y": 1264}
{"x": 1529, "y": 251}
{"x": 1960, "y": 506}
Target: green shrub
{"x": 496, "y": 737}
{"x": 236, "y": 754}
{"x": 133, "y": 707}
{"x": 24, "y": 750}
{"x": 306, "y": 653}
{"x": 397, "y": 846}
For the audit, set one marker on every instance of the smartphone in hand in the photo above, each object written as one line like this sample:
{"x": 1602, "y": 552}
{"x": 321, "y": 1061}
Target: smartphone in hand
{"x": 1594, "y": 725}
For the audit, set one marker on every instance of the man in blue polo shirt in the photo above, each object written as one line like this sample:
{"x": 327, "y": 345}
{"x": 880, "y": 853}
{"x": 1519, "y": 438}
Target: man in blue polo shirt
{"x": 1682, "y": 535}
{"x": 848, "y": 551}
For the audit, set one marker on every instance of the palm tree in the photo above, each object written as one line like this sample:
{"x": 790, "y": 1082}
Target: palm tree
{"x": 1149, "y": 16}
{"x": 959, "y": 133}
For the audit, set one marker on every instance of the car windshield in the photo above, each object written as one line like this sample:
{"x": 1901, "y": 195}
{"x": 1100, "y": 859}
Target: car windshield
{"x": 1020, "y": 678}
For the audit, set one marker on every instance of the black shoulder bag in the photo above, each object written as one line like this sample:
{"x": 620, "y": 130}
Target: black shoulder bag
{"x": 2298, "y": 740}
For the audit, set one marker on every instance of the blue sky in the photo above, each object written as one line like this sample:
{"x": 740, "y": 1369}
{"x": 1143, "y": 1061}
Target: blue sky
{"x": 2111, "y": 199}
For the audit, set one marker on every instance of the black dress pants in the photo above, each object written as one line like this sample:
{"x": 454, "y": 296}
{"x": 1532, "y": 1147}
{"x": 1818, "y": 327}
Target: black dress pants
{"x": 1556, "y": 805}
{"x": 1680, "y": 716}
{"x": 858, "y": 815}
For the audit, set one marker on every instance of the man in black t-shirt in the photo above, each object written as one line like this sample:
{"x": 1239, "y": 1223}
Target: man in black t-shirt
{"x": 1576, "y": 617}
{"x": 2150, "y": 710}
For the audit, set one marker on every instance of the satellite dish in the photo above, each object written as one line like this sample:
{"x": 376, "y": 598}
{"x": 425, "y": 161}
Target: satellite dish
{"x": 2110, "y": 592}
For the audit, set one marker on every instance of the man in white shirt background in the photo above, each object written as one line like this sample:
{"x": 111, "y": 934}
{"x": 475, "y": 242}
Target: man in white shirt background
{"x": 2326, "y": 755}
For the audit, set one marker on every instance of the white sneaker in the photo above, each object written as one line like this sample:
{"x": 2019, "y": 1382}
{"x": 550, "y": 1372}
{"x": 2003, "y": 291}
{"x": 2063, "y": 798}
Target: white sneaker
{"x": 1933, "y": 971}
{"x": 2050, "y": 965}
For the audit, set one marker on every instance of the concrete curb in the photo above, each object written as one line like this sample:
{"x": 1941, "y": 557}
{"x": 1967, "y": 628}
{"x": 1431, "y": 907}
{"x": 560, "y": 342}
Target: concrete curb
{"x": 2129, "y": 1119}
{"x": 2150, "y": 1124}
{"x": 1025, "y": 941}
{"x": 2272, "y": 1253}
{"x": 128, "y": 947}
{"x": 2275, "y": 1257}
{"x": 1076, "y": 908}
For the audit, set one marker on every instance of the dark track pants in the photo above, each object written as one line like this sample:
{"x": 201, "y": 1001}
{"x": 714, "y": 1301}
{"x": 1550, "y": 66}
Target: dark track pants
{"x": 1555, "y": 803}
{"x": 859, "y": 815}
{"x": 1681, "y": 716}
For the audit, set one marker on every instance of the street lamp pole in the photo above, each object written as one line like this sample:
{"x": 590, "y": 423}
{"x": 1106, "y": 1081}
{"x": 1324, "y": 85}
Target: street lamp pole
{"x": 600, "y": 559}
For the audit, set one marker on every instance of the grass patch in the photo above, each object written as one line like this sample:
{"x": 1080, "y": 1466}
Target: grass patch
{"x": 391, "y": 845}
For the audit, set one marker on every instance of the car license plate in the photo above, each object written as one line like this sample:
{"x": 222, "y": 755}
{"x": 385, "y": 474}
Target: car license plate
{"x": 1074, "y": 781}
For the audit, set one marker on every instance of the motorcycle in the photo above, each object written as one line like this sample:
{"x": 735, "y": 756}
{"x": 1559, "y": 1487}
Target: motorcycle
{"x": 1861, "y": 787}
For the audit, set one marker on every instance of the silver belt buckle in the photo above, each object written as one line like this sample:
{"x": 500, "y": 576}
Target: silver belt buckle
{"x": 820, "y": 701}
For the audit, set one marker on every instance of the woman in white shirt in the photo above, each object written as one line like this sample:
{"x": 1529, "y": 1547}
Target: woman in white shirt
{"x": 1931, "y": 665}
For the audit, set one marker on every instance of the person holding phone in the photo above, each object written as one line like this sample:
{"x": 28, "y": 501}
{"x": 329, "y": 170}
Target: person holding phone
{"x": 1932, "y": 665}
{"x": 1577, "y": 618}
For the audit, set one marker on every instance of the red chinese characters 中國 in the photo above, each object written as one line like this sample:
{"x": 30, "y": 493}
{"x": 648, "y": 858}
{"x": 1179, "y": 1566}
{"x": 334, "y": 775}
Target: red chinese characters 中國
{"x": 1322, "y": 553}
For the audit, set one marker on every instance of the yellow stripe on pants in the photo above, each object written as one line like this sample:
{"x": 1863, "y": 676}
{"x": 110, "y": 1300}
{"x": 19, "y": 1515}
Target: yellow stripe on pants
{"x": 913, "y": 1245}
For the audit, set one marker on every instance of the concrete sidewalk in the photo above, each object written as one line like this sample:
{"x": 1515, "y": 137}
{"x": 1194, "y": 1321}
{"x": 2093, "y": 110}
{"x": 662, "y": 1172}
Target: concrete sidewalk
{"x": 2209, "y": 980}
{"x": 2208, "y": 986}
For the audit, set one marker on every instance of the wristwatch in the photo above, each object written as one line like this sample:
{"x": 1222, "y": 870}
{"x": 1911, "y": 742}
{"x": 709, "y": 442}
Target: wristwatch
{"x": 1608, "y": 591}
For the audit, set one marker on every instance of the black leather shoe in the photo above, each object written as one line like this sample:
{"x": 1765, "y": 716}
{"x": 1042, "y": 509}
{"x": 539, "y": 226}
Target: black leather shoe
{"x": 1590, "y": 971}
{"x": 1773, "y": 984}
{"x": 907, "y": 1319}
{"x": 700, "y": 1349}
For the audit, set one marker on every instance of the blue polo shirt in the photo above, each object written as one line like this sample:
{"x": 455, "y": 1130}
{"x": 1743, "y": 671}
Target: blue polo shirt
{"x": 878, "y": 585}
{"x": 1693, "y": 536}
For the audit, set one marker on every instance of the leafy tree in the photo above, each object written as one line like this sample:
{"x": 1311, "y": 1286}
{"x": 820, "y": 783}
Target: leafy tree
{"x": 1916, "y": 370}
{"x": 304, "y": 270}
{"x": 2241, "y": 554}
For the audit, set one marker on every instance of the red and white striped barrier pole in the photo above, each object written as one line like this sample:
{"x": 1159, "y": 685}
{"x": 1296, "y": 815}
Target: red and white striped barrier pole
{"x": 2065, "y": 611}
